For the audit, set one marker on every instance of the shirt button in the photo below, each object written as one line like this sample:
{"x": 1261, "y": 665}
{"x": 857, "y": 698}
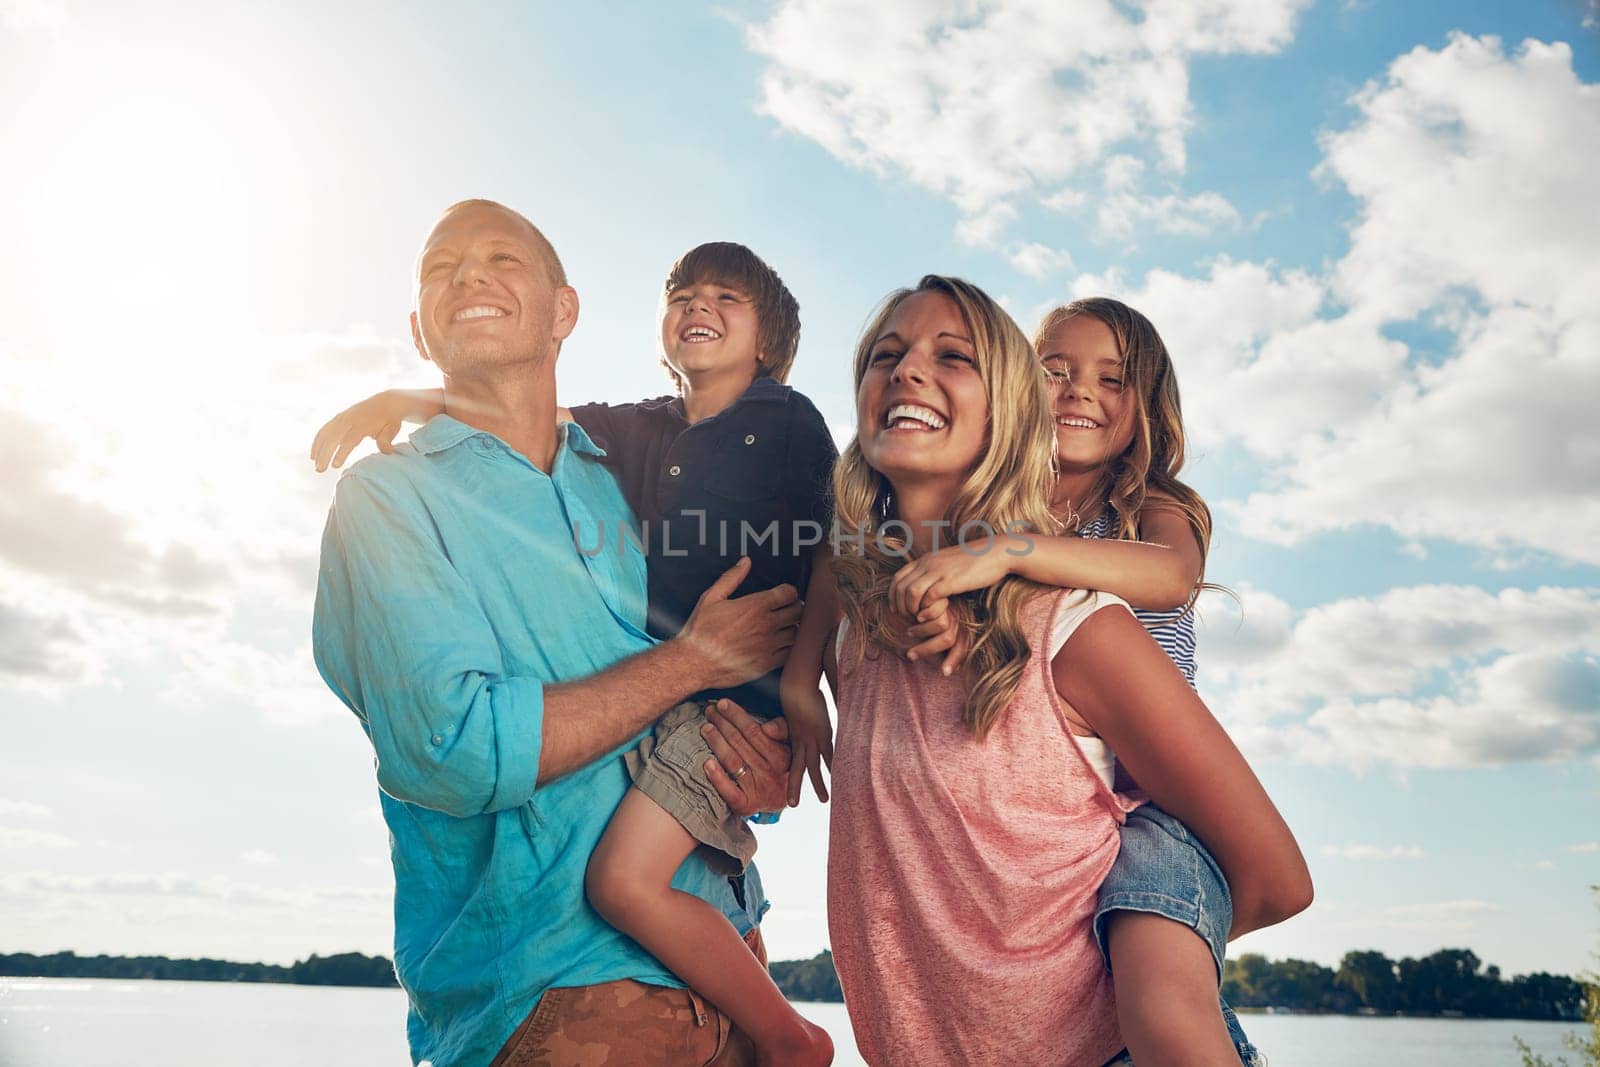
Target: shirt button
{"x": 674, "y": 470}
{"x": 438, "y": 739}
{"x": 749, "y": 438}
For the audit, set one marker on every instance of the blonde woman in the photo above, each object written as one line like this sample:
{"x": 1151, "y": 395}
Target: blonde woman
{"x": 974, "y": 817}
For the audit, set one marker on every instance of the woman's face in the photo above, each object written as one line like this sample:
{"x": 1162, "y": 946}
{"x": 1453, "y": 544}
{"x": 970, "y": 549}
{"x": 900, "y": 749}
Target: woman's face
{"x": 921, "y": 410}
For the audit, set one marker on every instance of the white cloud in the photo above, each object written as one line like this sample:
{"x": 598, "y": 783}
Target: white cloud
{"x": 1587, "y": 846}
{"x": 1425, "y": 676}
{"x": 1458, "y": 916}
{"x": 12, "y": 838}
{"x": 989, "y": 104}
{"x": 124, "y": 550}
{"x": 1038, "y": 260}
{"x": 1355, "y": 851}
{"x": 1472, "y": 170}
{"x": 23, "y": 808}
{"x": 257, "y": 857}
{"x": 180, "y": 914}
{"x": 24, "y": 16}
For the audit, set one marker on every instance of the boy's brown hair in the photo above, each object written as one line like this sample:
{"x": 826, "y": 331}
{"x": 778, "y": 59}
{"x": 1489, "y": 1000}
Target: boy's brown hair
{"x": 777, "y": 311}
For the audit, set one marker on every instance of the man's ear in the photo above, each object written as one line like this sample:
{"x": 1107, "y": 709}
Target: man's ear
{"x": 566, "y": 313}
{"x": 416, "y": 338}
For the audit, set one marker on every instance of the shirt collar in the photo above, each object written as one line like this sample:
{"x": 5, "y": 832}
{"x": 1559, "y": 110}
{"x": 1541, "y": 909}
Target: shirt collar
{"x": 765, "y": 389}
{"x": 443, "y": 432}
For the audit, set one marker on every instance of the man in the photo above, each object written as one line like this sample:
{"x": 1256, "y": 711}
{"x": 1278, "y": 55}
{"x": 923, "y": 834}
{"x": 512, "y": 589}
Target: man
{"x": 498, "y": 671}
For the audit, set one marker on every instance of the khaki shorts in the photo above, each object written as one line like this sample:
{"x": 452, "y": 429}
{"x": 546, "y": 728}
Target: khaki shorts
{"x": 629, "y": 1024}
{"x": 669, "y": 768}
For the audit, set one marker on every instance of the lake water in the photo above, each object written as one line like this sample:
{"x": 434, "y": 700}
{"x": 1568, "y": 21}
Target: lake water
{"x": 50, "y": 1022}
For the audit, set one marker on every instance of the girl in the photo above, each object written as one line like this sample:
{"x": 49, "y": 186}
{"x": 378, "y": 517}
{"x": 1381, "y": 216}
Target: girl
{"x": 973, "y": 817}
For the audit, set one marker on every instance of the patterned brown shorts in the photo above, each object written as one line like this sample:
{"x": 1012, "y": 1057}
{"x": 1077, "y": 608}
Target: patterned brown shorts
{"x": 629, "y": 1024}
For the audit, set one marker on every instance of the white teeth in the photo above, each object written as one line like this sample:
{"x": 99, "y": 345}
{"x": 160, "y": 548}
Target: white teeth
{"x": 700, "y": 333}
{"x": 1080, "y": 423}
{"x": 480, "y": 312}
{"x": 916, "y": 413}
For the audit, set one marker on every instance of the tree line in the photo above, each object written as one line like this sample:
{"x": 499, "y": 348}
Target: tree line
{"x": 1451, "y": 981}
{"x": 344, "y": 969}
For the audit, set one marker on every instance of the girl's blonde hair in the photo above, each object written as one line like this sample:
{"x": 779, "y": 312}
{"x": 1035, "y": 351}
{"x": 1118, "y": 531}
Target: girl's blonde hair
{"x": 1155, "y": 455}
{"x": 1008, "y": 488}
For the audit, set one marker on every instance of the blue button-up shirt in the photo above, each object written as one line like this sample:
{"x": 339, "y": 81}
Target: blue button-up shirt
{"x": 451, "y": 592}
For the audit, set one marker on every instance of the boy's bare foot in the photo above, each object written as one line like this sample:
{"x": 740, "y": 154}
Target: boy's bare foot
{"x": 807, "y": 1046}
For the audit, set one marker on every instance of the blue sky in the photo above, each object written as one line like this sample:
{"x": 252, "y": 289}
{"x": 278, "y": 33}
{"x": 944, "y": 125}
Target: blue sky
{"x": 1366, "y": 231}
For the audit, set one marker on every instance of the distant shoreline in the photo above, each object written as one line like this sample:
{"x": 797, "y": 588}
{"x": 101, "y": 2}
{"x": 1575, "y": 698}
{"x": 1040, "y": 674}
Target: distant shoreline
{"x": 1254, "y": 984}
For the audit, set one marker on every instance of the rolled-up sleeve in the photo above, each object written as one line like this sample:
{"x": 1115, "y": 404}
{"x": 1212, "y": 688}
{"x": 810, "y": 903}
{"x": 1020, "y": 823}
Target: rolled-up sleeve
{"x": 399, "y": 637}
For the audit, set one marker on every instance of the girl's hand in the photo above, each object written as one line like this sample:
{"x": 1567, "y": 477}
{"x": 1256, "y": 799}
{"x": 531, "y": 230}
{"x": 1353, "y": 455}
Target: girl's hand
{"x": 939, "y": 629}
{"x": 379, "y": 417}
{"x": 810, "y": 739}
{"x": 950, "y": 571}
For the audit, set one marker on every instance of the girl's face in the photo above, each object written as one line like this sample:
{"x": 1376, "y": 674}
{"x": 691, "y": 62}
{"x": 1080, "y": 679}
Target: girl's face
{"x": 1093, "y": 413}
{"x": 921, "y": 410}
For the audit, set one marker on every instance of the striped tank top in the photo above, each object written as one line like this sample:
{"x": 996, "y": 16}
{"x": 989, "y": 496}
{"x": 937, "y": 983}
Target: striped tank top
{"x": 1173, "y": 630}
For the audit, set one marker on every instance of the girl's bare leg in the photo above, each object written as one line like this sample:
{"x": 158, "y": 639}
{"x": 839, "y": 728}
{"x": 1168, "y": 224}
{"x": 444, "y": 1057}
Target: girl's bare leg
{"x": 1166, "y": 987}
{"x": 629, "y": 883}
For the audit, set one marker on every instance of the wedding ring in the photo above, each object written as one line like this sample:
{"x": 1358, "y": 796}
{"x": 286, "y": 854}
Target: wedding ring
{"x": 741, "y": 772}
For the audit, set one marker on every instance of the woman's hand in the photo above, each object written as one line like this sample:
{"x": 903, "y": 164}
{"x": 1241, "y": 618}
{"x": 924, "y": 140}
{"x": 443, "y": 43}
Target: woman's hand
{"x": 810, "y": 738}
{"x": 379, "y": 417}
{"x": 751, "y": 768}
{"x": 949, "y": 571}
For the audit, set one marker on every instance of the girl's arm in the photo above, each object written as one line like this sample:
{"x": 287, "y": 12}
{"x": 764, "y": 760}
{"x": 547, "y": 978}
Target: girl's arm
{"x": 1126, "y": 688}
{"x": 380, "y": 417}
{"x": 1157, "y": 574}
{"x": 810, "y": 730}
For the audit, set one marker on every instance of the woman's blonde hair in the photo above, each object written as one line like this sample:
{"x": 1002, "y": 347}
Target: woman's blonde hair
{"x": 1008, "y": 489}
{"x": 1155, "y": 455}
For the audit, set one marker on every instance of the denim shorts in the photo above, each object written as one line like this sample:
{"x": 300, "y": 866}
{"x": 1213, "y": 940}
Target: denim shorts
{"x": 1165, "y": 870}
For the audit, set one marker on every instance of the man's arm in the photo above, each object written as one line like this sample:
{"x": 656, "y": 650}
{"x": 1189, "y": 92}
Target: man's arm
{"x": 724, "y": 643}
{"x": 402, "y": 641}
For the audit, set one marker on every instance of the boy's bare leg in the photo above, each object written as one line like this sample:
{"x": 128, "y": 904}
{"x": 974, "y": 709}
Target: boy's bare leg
{"x": 629, "y": 883}
{"x": 1166, "y": 987}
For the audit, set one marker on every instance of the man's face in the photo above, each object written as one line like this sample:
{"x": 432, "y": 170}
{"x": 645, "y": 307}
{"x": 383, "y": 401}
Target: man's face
{"x": 485, "y": 295}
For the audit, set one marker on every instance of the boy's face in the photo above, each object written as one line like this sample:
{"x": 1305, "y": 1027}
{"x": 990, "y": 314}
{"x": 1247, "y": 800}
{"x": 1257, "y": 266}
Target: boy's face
{"x": 710, "y": 330}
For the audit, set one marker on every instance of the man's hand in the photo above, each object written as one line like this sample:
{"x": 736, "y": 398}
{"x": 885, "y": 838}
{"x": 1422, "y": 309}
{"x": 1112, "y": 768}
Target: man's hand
{"x": 751, "y": 769}
{"x": 735, "y": 641}
{"x": 810, "y": 736}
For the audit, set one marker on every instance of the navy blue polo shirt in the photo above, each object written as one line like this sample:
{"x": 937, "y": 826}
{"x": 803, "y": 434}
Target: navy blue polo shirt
{"x": 753, "y": 480}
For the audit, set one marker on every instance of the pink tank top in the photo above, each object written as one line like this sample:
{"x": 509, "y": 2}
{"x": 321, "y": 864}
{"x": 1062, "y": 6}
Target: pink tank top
{"x": 962, "y": 877}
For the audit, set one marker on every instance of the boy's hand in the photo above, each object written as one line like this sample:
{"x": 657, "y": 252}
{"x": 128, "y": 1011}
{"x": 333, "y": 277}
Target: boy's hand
{"x": 949, "y": 571}
{"x": 741, "y": 639}
{"x": 379, "y": 417}
{"x": 810, "y": 738}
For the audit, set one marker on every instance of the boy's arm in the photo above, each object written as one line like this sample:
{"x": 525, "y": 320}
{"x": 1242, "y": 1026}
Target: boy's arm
{"x": 380, "y": 417}
{"x": 810, "y": 730}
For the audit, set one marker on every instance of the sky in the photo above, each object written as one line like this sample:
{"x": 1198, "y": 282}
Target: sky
{"x": 1366, "y": 231}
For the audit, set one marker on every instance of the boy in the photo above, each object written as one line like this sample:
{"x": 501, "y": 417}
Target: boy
{"x": 737, "y": 465}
